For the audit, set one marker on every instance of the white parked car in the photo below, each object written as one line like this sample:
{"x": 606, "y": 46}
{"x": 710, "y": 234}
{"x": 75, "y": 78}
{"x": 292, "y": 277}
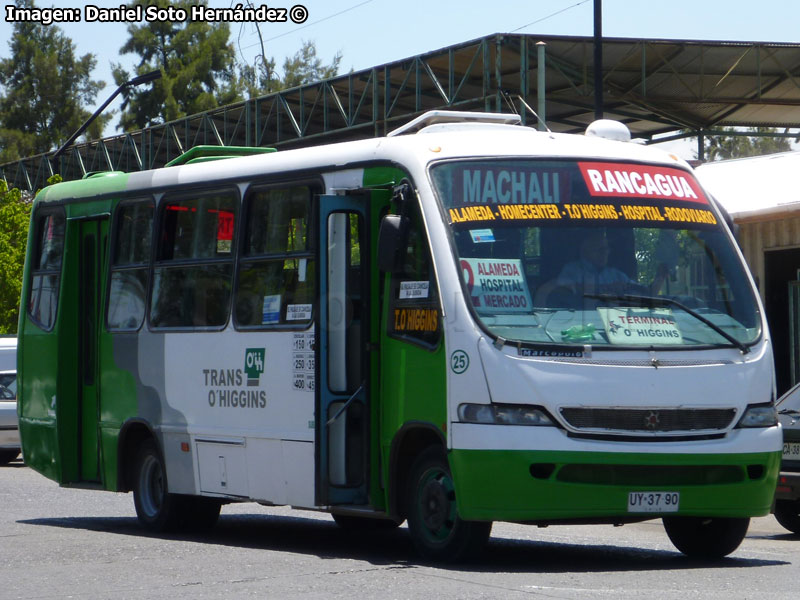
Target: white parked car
{"x": 9, "y": 427}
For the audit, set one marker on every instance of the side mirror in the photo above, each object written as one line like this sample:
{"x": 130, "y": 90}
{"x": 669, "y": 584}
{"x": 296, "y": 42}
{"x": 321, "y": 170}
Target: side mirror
{"x": 390, "y": 243}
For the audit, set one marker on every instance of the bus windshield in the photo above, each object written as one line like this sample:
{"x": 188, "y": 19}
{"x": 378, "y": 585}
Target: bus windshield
{"x": 585, "y": 252}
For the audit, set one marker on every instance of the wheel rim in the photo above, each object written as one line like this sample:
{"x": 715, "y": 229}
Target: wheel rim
{"x": 151, "y": 482}
{"x": 436, "y": 503}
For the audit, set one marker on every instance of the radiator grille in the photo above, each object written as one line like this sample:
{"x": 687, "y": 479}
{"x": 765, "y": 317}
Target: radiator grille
{"x": 629, "y": 420}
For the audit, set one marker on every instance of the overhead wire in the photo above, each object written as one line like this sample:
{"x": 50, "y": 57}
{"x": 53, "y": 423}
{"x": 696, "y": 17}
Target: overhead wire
{"x": 305, "y": 25}
{"x": 558, "y": 12}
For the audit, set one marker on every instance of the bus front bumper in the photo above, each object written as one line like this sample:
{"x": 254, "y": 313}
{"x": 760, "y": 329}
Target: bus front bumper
{"x": 541, "y": 486}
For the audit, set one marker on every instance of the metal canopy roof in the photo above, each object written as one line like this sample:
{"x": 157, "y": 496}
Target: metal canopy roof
{"x": 657, "y": 87}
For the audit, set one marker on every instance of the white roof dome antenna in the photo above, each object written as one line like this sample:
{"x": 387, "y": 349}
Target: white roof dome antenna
{"x": 609, "y": 129}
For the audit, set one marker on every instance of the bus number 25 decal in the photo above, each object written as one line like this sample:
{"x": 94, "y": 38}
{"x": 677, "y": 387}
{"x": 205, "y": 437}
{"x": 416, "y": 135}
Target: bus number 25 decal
{"x": 459, "y": 361}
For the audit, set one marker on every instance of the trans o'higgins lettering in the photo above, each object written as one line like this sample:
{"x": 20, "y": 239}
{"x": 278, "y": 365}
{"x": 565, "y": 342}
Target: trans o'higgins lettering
{"x": 225, "y": 392}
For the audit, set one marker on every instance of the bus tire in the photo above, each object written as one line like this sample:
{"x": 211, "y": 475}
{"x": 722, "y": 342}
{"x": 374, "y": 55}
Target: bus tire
{"x": 437, "y": 532}
{"x": 787, "y": 513}
{"x": 157, "y": 509}
{"x": 365, "y": 524}
{"x": 706, "y": 537}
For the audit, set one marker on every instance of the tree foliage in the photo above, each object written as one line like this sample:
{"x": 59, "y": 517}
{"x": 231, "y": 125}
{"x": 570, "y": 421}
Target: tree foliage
{"x": 14, "y": 219}
{"x": 306, "y": 67}
{"x": 15, "y": 213}
{"x": 196, "y": 63}
{"x": 302, "y": 68}
{"x": 729, "y": 145}
{"x": 44, "y": 89}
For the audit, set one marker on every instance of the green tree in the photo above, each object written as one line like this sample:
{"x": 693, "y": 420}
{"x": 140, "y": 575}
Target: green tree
{"x": 196, "y": 63}
{"x": 259, "y": 79}
{"x": 726, "y": 145}
{"x": 44, "y": 89}
{"x": 15, "y": 144}
{"x": 306, "y": 67}
{"x": 302, "y": 68}
{"x": 14, "y": 219}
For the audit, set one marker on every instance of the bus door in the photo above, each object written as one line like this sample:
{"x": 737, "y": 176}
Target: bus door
{"x": 343, "y": 386}
{"x": 93, "y": 236}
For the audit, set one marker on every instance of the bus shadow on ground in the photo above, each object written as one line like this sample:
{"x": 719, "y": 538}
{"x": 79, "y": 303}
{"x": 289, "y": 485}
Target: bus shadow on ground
{"x": 327, "y": 540}
{"x": 778, "y": 537}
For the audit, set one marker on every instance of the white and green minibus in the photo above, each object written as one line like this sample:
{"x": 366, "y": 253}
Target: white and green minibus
{"x": 463, "y": 322}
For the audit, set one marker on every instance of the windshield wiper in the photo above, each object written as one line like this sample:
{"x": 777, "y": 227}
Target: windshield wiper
{"x": 662, "y": 301}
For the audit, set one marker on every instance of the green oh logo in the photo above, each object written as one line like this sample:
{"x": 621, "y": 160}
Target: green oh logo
{"x": 254, "y": 364}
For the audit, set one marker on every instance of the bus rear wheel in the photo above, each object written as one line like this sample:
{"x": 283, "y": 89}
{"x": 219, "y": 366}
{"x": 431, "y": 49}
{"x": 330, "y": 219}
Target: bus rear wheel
{"x": 437, "y": 532}
{"x": 157, "y": 509}
{"x": 787, "y": 513}
{"x": 706, "y": 537}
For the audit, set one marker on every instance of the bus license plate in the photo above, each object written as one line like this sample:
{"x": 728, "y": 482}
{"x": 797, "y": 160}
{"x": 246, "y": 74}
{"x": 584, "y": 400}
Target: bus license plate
{"x": 653, "y": 502}
{"x": 791, "y": 451}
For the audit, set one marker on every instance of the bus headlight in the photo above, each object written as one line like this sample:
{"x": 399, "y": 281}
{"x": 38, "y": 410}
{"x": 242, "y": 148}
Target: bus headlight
{"x": 759, "y": 415}
{"x": 503, "y": 414}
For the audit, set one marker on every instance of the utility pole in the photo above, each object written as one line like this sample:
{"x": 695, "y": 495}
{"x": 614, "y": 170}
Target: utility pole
{"x": 598, "y": 59}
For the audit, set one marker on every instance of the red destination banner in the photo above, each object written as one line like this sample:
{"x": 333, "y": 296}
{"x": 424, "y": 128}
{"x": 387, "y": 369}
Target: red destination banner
{"x": 640, "y": 181}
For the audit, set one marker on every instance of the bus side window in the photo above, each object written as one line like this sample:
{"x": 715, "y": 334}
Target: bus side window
{"x": 194, "y": 262}
{"x": 46, "y": 270}
{"x": 414, "y": 311}
{"x": 276, "y": 283}
{"x": 130, "y": 265}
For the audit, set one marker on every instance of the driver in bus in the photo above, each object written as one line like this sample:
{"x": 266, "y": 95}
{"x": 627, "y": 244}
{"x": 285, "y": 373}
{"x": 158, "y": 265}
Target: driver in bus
{"x": 591, "y": 273}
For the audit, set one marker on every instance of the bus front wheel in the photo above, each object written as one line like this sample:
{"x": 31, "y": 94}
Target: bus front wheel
{"x": 706, "y": 537}
{"x": 437, "y": 532}
{"x": 156, "y": 509}
{"x": 787, "y": 512}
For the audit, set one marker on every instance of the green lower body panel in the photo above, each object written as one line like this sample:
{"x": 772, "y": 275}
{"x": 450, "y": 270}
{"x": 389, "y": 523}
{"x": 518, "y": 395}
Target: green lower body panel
{"x": 40, "y": 447}
{"x": 109, "y": 443}
{"x": 504, "y": 485}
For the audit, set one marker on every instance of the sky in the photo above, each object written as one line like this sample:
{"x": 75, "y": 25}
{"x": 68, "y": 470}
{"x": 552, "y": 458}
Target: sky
{"x": 373, "y": 32}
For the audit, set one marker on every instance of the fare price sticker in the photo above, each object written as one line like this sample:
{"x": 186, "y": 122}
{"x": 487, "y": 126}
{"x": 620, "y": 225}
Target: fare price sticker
{"x": 640, "y": 326}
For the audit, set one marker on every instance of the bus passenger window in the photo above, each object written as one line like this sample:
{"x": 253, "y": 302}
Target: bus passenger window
{"x": 49, "y": 240}
{"x": 277, "y": 277}
{"x": 414, "y": 311}
{"x": 194, "y": 262}
{"x": 130, "y": 266}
